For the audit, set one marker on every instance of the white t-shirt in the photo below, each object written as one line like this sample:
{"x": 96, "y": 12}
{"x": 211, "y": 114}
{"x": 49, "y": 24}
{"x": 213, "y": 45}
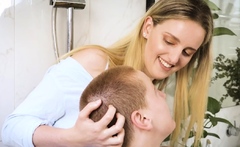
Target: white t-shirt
{"x": 54, "y": 102}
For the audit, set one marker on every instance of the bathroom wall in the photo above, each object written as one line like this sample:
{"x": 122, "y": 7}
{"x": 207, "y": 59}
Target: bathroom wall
{"x": 26, "y": 46}
{"x": 229, "y": 16}
{"x": 232, "y": 114}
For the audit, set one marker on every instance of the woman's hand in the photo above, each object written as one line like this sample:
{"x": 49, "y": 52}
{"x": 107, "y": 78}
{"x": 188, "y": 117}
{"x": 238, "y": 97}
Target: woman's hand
{"x": 86, "y": 132}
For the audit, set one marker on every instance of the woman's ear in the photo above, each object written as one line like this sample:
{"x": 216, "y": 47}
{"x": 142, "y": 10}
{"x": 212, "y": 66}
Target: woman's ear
{"x": 141, "y": 121}
{"x": 148, "y": 24}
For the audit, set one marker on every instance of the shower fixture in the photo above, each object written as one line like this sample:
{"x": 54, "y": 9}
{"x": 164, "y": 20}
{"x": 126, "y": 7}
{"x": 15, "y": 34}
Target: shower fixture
{"x": 70, "y": 5}
{"x": 77, "y": 4}
{"x": 233, "y": 130}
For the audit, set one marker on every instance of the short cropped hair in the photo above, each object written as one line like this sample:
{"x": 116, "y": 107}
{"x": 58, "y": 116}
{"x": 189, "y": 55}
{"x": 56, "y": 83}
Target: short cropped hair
{"x": 121, "y": 87}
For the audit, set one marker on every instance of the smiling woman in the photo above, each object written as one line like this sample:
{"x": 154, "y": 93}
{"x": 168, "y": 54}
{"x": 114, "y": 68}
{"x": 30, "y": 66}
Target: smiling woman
{"x": 170, "y": 41}
{"x": 175, "y": 37}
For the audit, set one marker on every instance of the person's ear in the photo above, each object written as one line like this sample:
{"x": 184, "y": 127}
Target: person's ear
{"x": 147, "y": 26}
{"x": 141, "y": 121}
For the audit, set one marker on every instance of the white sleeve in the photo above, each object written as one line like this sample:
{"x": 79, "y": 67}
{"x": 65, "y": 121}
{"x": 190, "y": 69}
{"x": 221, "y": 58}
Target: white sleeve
{"x": 53, "y": 101}
{"x": 44, "y": 105}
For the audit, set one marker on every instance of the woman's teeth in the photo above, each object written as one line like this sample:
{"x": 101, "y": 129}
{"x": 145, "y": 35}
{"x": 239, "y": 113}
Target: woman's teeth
{"x": 165, "y": 63}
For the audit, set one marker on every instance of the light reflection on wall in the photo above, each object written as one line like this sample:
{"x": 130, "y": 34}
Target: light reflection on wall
{"x": 3, "y": 5}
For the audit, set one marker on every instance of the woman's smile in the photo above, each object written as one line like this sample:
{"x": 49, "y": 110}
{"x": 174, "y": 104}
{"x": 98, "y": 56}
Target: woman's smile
{"x": 166, "y": 65}
{"x": 168, "y": 48}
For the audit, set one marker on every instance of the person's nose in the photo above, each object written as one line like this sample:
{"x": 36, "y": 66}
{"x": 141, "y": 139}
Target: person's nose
{"x": 174, "y": 55}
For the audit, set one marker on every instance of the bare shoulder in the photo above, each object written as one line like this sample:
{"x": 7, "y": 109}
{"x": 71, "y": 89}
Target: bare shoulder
{"x": 93, "y": 60}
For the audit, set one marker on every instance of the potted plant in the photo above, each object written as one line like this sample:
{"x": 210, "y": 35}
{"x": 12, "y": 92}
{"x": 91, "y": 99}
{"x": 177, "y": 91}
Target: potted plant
{"x": 226, "y": 68}
{"x": 223, "y": 65}
{"x": 229, "y": 69}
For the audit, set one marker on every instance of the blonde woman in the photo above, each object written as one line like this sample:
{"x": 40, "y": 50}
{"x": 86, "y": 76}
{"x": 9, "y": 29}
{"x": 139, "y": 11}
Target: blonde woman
{"x": 173, "y": 37}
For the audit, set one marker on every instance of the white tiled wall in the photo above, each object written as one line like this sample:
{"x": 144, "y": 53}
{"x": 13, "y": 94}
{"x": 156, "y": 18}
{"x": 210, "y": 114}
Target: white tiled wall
{"x": 26, "y": 46}
{"x": 26, "y": 49}
{"x": 226, "y": 44}
{"x": 232, "y": 114}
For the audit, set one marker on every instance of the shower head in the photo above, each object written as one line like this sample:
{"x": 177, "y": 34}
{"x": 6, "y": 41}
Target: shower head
{"x": 77, "y": 4}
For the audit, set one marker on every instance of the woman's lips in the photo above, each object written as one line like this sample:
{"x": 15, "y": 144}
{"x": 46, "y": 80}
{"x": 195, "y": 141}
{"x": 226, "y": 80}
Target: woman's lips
{"x": 164, "y": 63}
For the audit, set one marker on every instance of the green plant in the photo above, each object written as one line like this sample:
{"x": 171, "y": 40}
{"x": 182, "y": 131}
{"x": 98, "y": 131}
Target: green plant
{"x": 211, "y": 120}
{"x": 229, "y": 69}
{"x": 223, "y": 65}
{"x": 232, "y": 85}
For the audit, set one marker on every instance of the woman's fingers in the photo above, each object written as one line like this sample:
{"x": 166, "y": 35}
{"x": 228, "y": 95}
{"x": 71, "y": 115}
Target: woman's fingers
{"x": 87, "y": 110}
{"x": 114, "y": 135}
{"x": 119, "y": 124}
{"x": 117, "y": 141}
{"x": 98, "y": 133}
{"x": 117, "y": 128}
{"x": 107, "y": 118}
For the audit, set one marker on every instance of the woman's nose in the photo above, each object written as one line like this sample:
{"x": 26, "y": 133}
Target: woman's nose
{"x": 174, "y": 55}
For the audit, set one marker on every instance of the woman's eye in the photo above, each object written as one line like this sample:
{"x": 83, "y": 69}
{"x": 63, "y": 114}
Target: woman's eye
{"x": 185, "y": 53}
{"x": 169, "y": 42}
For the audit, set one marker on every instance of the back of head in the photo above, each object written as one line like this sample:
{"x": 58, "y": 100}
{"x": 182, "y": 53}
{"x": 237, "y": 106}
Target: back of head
{"x": 121, "y": 88}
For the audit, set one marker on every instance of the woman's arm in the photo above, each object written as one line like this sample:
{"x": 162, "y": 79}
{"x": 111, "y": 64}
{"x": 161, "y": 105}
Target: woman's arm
{"x": 85, "y": 132}
{"x": 33, "y": 119}
{"x": 43, "y": 106}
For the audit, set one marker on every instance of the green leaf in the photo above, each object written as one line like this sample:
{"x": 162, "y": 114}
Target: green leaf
{"x": 192, "y": 133}
{"x": 213, "y": 105}
{"x": 208, "y": 116}
{"x": 218, "y": 31}
{"x": 215, "y": 16}
{"x": 205, "y": 134}
{"x": 212, "y": 6}
{"x": 215, "y": 120}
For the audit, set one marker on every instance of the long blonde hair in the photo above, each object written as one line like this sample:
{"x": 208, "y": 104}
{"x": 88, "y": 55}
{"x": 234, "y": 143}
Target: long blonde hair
{"x": 192, "y": 81}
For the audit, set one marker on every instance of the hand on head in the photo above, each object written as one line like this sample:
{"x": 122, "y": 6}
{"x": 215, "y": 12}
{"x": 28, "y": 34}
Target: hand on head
{"x": 97, "y": 134}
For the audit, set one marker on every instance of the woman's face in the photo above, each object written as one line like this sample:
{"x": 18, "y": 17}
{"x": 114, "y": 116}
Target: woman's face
{"x": 170, "y": 45}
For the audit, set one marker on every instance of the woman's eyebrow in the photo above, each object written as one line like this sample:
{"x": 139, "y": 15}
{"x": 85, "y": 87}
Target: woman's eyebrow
{"x": 171, "y": 35}
{"x": 191, "y": 48}
{"x": 175, "y": 38}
